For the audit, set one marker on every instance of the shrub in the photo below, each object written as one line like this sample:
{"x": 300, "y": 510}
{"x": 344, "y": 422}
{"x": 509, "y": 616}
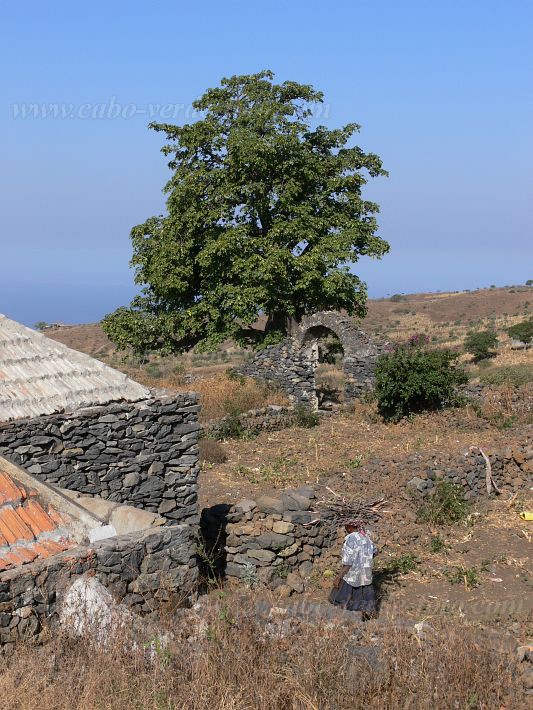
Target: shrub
{"x": 400, "y": 564}
{"x": 522, "y": 331}
{"x": 397, "y": 297}
{"x": 445, "y": 506}
{"x": 411, "y": 379}
{"x": 306, "y": 417}
{"x": 481, "y": 344}
{"x": 469, "y": 576}
{"x": 437, "y": 544}
{"x": 230, "y": 427}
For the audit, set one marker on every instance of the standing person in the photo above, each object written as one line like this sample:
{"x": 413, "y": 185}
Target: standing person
{"x": 353, "y": 588}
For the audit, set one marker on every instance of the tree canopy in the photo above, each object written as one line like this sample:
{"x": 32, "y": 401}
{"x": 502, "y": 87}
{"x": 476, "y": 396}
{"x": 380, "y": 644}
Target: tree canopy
{"x": 265, "y": 215}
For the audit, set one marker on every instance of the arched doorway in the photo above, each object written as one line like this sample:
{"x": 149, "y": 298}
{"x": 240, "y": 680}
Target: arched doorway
{"x": 292, "y": 363}
{"x": 359, "y": 350}
{"x": 324, "y": 349}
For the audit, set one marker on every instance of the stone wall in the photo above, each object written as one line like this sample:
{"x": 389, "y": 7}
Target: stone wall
{"x": 140, "y": 569}
{"x": 290, "y": 365}
{"x": 269, "y": 541}
{"x": 144, "y": 454}
{"x": 512, "y": 470}
{"x": 286, "y": 366}
{"x": 360, "y": 350}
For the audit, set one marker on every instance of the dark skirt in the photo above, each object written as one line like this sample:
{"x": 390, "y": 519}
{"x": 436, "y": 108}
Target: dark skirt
{"x": 354, "y": 598}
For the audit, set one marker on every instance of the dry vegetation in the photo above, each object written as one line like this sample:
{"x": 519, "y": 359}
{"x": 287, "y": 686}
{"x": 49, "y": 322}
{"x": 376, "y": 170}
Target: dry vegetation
{"x": 222, "y": 395}
{"x": 232, "y": 663}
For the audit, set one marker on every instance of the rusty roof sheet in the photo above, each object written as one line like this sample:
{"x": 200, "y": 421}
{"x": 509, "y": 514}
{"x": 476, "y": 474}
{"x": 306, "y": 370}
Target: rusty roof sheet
{"x": 41, "y": 376}
{"x": 30, "y": 527}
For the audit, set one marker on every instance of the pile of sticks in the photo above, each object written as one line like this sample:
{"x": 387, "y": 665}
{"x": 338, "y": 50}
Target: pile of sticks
{"x": 342, "y": 509}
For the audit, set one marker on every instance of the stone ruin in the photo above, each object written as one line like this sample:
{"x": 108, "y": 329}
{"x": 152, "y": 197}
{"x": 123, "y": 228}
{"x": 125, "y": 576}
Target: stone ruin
{"x": 272, "y": 541}
{"x": 290, "y": 365}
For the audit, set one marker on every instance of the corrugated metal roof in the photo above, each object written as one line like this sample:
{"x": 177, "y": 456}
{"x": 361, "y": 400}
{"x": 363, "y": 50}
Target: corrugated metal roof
{"x": 41, "y": 376}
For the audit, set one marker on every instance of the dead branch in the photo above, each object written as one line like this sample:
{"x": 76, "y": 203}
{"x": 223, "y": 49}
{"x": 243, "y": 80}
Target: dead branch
{"x": 489, "y": 479}
{"x": 342, "y": 509}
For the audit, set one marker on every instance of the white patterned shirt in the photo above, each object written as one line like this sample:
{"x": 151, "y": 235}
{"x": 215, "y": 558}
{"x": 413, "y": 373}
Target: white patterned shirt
{"x": 358, "y": 552}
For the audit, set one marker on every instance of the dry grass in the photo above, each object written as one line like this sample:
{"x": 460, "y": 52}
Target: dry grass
{"x": 211, "y": 451}
{"x": 222, "y": 395}
{"x": 233, "y": 664}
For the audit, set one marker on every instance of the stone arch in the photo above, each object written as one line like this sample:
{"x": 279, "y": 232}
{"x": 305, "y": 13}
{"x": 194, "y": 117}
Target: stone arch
{"x": 290, "y": 365}
{"x": 360, "y": 350}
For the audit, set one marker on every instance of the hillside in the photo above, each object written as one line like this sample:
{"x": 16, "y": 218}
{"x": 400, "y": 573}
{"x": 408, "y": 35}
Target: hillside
{"x": 444, "y": 316}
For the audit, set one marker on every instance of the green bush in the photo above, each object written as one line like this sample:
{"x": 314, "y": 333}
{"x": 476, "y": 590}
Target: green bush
{"x": 401, "y": 564}
{"x": 522, "y": 331}
{"x": 447, "y": 505}
{"x": 412, "y": 379}
{"x": 481, "y": 344}
{"x": 437, "y": 544}
{"x": 306, "y": 417}
{"x": 469, "y": 576}
{"x": 230, "y": 427}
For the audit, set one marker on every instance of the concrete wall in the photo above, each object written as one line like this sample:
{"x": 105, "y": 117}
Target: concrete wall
{"x": 144, "y": 454}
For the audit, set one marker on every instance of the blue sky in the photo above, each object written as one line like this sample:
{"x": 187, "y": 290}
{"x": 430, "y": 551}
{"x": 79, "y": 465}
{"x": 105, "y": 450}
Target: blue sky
{"x": 443, "y": 91}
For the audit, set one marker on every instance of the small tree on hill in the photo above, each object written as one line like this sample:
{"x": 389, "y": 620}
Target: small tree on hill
{"x": 522, "y": 331}
{"x": 265, "y": 215}
{"x": 481, "y": 344}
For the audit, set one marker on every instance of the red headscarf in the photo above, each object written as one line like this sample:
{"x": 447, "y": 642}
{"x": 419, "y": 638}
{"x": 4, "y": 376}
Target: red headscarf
{"x": 357, "y": 524}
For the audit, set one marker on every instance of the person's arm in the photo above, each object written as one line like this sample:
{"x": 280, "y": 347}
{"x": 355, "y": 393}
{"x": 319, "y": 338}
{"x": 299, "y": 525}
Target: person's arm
{"x": 344, "y": 571}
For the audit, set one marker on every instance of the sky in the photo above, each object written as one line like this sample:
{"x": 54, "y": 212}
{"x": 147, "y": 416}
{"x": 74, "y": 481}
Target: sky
{"x": 442, "y": 90}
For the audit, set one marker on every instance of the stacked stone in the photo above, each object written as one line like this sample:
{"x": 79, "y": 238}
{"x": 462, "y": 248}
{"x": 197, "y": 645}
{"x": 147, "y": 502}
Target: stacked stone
{"x": 512, "y": 470}
{"x": 141, "y": 569}
{"x": 290, "y": 365}
{"x": 360, "y": 350}
{"x": 270, "y": 418}
{"x": 286, "y": 366}
{"x": 273, "y": 541}
{"x": 144, "y": 453}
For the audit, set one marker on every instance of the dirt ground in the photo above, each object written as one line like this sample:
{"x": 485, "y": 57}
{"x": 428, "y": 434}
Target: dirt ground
{"x": 479, "y": 570}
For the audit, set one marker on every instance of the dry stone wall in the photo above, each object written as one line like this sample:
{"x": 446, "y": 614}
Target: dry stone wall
{"x": 144, "y": 454}
{"x": 290, "y": 365}
{"x": 512, "y": 470}
{"x": 269, "y": 418}
{"x": 287, "y": 367}
{"x": 140, "y": 569}
{"x": 271, "y": 541}
{"x": 360, "y": 350}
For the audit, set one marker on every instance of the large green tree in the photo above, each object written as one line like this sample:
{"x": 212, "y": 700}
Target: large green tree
{"x": 265, "y": 215}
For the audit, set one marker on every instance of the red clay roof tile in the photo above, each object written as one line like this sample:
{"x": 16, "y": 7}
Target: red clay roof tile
{"x": 26, "y": 527}
{"x": 9, "y": 491}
